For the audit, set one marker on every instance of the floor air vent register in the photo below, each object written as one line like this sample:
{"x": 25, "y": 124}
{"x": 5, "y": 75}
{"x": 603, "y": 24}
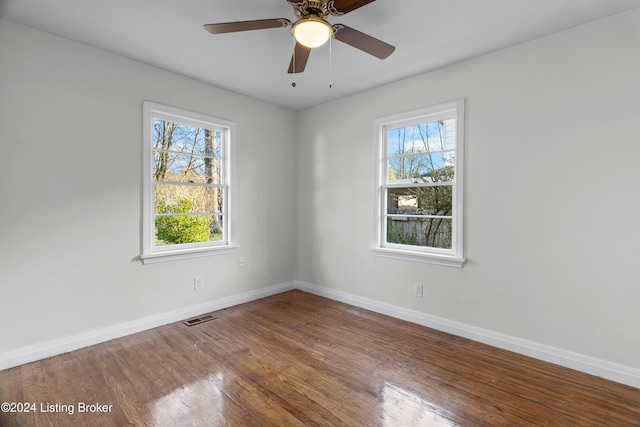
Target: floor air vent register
{"x": 197, "y": 320}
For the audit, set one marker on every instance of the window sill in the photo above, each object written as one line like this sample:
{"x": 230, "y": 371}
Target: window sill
{"x": 185, "y": 254}
{"x": 446, "y": 260}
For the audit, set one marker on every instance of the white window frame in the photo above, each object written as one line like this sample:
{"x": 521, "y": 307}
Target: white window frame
{"x": 453, "y": 257}
{"x": 152, "y": 253}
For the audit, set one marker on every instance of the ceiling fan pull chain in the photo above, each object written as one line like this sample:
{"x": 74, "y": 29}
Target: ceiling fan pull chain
{"x": 330, "y": 64}
{"x": 293, "y": 75}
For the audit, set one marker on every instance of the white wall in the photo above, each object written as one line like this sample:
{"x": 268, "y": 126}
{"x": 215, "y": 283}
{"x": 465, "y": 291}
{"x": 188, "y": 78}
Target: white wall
{"x": 552, "y": 206}
{"x": 70, "y": 185}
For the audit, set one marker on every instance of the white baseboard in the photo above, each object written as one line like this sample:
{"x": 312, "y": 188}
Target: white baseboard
{"x": 74, "y": 342}
{"x": 579, "y": 362}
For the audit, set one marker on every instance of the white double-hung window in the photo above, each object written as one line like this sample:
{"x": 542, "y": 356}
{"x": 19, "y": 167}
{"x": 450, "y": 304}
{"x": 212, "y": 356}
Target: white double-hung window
{"x": 188, "y": 198}
{"x": 419, "y": 185}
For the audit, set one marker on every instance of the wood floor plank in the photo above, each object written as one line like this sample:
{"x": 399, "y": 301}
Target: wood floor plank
{"x": 296, "y": 359}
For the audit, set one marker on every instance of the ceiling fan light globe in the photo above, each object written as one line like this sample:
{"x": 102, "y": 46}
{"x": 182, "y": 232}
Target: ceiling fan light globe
{"x": 312, "y": 31}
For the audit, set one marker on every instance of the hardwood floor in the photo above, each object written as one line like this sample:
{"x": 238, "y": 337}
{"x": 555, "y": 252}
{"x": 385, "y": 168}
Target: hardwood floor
{"x": 296, "y": 359}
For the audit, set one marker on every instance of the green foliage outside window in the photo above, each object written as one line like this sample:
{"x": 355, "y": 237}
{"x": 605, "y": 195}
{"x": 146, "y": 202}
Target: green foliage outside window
{"x": 397, "y": 234}
{"x": 181, "y": 229}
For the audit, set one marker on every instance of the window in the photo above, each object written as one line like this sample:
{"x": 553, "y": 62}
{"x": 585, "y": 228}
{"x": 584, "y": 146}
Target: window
{"x": 187, "y": 184}
{"x": 419, "y": 189}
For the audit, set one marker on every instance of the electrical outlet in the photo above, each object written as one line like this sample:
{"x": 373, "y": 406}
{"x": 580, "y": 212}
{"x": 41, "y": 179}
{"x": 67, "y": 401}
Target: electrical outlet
{"x": 417, "y": 290}
{"x": 198, "y": 282}
{"x": 240, "y": 262}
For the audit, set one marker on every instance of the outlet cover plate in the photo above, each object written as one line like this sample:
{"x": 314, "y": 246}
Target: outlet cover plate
{"x": 417, "y": 289}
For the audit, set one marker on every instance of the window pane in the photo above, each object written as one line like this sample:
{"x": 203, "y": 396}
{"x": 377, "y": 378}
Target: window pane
{"x": 431, "y": 232}
{"x": 420, "y": 200}
{"x": 434, "y": 167}
{"x": 175, "y": 136}
{"x": 422, "y": 138}
{"x": 188, "y": 229}
{"x": 172, "y": 199}
{"x": 209, "y": 144}
{"x": 185, "y": 168}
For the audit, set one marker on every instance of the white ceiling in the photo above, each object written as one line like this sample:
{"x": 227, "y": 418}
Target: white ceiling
{"x": 428, "y": 34}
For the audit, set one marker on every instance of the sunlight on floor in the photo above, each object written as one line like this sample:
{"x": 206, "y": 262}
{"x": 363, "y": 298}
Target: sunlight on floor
{"x": 404, "y": 408}
{"x": 199, "y": 397}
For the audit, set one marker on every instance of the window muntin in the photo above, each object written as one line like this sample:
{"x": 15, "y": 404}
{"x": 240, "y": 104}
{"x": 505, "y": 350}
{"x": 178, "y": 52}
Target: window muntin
{"x": 187, "y": 188}
{"x": 419, "y": 194}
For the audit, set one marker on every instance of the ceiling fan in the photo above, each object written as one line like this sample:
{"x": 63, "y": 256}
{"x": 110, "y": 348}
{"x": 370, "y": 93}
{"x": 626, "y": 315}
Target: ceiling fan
{"x": 311, "y": 29}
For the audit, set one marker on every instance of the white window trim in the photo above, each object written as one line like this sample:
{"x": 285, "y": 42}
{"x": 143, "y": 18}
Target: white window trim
{"x": 455, "y": 256}
{"x": 150, "y": 252}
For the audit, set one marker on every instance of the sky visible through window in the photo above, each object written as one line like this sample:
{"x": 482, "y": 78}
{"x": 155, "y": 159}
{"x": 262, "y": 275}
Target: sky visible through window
{"x": 416, "y": 151}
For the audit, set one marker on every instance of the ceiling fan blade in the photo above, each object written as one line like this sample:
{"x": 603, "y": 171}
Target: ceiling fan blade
{"x": 258, "y": 24}
{"x": 299, "y": 57}
{"x": 362, "y": 41}
{"x": 346, "y": 6}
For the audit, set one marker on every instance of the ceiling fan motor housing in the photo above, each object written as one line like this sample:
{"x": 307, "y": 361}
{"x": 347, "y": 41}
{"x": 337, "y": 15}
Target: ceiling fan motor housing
{"x": 319, "y": 8}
